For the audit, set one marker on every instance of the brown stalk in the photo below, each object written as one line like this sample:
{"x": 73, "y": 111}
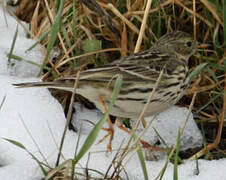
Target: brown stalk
{"x": 197, "y": 15}
{"x": 51, "y": 15}
{"x": 121, "y": 16}
{"x": 181, "y": 132}
{"x": 126, "y": 151}
{"x": 94, "y": 6}
{"x": 86, "y": 54}
{"x": 68, "y": 117}
{"x": 34, "y": 20}
{"x": 194, "y": 18}
{"x": 21, "y": 7}
{"x": 143, "y": 25}
{"x": 212, "y": 8}
{"x": 219, "y": 132}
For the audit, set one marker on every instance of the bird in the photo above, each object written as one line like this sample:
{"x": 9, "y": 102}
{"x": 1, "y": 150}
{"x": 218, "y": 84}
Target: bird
{"x": 139, "y": 71}
{"x": 169, "y": 56}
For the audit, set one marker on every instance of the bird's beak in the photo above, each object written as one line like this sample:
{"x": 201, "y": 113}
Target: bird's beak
{"x": 203, "y": 45}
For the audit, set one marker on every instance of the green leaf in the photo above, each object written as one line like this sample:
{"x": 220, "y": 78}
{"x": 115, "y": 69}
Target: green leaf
{"x": 53, "y": 33}
{"x": 141, "y": 156}
{"x": 213, "y": 75}
{"x": 18, "y": 58}
{"x": 18, "y": 144}
{"x": 13, "y": 45}
{"x": 197, "y": 70}
{"x": 160, "y": 137}
{"x": 209, "y": 102}
{"x": 197, "y": 166}
{"x": 74, "y": 21}
{"x": 2, "y": 102}
{"x": 224, "y": 20}
{"x": 176, "y": 157}
{"x": 90, "y": 45}
{"x": 43, "y": 36}
{"x": 163, "y": 172}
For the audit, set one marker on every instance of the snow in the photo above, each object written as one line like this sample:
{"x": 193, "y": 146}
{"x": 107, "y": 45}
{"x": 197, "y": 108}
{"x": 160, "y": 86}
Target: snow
{"x": 167, "y": 125}
{"x": 33, "y": 113}
{"x": 17, "y": 68}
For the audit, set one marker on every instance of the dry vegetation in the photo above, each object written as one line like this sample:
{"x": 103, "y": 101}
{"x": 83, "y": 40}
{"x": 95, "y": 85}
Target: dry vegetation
{"x": 90, "y": 35}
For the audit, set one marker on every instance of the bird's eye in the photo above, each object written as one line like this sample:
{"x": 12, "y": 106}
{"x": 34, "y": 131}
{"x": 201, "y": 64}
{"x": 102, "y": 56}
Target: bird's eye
{"x": 189, "y": 43}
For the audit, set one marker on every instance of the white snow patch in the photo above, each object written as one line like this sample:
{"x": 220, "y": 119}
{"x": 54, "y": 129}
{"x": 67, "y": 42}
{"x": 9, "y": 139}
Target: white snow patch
{"x": 36, "y": 110}
{"x": 8, "y": 27}
{"x": 168, "y": 123}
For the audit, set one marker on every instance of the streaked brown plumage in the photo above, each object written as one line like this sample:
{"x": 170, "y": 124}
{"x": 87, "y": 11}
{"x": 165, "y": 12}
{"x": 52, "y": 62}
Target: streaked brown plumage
{"x": 140, "y": 72}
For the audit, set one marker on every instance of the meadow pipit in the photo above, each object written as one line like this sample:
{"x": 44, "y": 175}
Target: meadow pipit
{"x": 140, "y": 72}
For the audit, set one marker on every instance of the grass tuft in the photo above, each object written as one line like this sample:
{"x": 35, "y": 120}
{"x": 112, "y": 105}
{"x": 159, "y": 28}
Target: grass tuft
{"x": 98, "y": 32}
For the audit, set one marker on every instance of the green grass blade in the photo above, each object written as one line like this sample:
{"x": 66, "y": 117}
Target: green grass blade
{"x": 16, "y": 143}
{"x": 224, "y": 20}
{"x": 20, "y": 145}
{"x": 163, "y": 172}
{"x": 141, "y": 156}
{"x": 197, "y": 166}
{"x": 93, "y": 134}
{"x": 45, "y": 172}
{"x": 67, "y": 38}
{"x": 208, "y": 103}
{"x": 18, "y": 58}
{"x": 142, "y": 161}
{"x": 197, "y": 70}
{"x": 4, "y": 98}
{"x": 213, "y": 75}
{"x": 160, "y": 137}
{"x": 159, "y": 24}
{"x": 176, "y": 157}
{"x": 91, "y": 45}
{"x": 43, "y": 36}
{"x": 68, "y": 42}
{"x": 13, "y": 44}
{"x": 74, "y": 20}
{"x": 55, "y": 27}
{"x": 53, "y": 32}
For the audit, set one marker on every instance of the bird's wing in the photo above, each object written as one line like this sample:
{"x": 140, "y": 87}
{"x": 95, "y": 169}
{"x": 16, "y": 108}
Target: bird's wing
{"x": 135, "y": 69}
{"x": 139, "y": 67}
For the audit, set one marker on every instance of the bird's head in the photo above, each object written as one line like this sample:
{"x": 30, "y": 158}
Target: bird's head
{"x": 180, "y": 43}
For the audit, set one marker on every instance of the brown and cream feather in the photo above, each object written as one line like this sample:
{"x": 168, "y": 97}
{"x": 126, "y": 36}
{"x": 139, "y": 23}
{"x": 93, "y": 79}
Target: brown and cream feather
{"x": 140, "y": 72}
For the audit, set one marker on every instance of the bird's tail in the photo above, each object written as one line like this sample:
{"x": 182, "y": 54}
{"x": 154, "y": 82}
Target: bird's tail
{"x": 51, "y": 85}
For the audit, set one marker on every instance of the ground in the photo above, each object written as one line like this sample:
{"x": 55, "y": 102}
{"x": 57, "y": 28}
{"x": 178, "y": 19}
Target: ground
{"x": 34, "y": 118}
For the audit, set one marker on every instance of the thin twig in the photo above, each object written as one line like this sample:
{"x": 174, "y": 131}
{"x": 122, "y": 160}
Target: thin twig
{"x": 122, "y": 17}
{"x": 194, "y": 18}
{"x": 212, "y": 8}
{"x": 87, "y": 54}
{"x": 126, "y": 151}
{"x": 219, "y": 132}
{"x": 94, "y": 6}
{"x": 141, "y": 33}
{"x": 114, "y": 160}
{"x": 197, "y": 15}
{"x": 68, "y": 118}
{"x": 33, "y": 139}
{"x": 149, "y": 98}
{"x": 181, "y": 132}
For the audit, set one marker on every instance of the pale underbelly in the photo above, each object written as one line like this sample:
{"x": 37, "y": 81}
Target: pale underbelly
{"x": 132, "y": 108}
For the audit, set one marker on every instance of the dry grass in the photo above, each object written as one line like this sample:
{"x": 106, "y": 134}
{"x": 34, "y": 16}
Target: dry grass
{"x": 89, "y": 37}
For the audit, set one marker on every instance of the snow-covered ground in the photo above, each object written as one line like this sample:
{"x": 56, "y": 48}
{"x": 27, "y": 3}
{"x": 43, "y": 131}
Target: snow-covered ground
{"x": 34, "y": 118}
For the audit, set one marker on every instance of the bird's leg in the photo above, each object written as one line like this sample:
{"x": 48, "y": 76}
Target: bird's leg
{"x": 110, "y": 128}
{"x": 145, "y": 144}
{"x": 144, "y": 122}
